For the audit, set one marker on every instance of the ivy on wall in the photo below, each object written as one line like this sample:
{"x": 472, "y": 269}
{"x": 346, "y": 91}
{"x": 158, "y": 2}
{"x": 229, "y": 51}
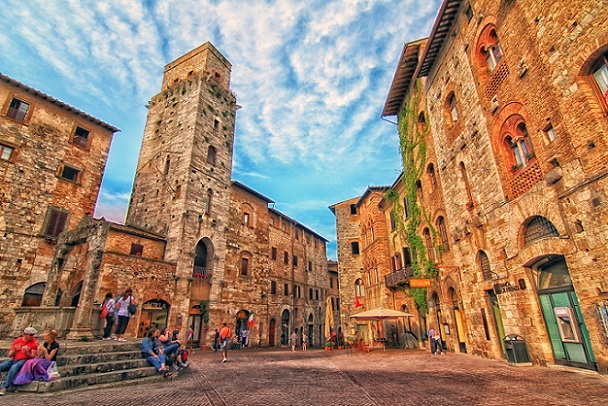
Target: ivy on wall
{"x": 413, "y": 147}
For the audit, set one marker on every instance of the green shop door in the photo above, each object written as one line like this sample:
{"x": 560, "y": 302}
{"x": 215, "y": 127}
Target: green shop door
{"x": 563, "y": 317}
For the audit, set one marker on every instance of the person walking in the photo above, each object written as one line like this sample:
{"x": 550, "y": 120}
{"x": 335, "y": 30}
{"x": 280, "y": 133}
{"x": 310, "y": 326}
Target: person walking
{"x": 431, "y": 334}
{"x": 225, "y": 338}
{"x": 109, "y": 304}
{"x": 124, "y": 314}
{"x": 22, "y": 349}
{"x": 304, "y": 339}
{"x": 294, "y": 340}
{"x": 216, "y": 340}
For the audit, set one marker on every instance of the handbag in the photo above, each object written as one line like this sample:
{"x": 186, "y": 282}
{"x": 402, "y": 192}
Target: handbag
{"x": 132, "y": 308}
{"x": 104, "y": 311}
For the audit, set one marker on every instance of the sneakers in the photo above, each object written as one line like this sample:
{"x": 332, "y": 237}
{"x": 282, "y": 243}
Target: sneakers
{"x": 106, "y": 338}
{"x": 224, "y": 360}
{"x": 121, "y": 339}
{"x": 183, "y": 365}
{"x": 2, "y": 391}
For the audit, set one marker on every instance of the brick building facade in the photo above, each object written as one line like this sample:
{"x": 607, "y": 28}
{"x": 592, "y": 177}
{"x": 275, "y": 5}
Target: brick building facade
{"x": 52, "y": 158}
{"x": 197, "y": 248}
{"x": 513, "y": 180}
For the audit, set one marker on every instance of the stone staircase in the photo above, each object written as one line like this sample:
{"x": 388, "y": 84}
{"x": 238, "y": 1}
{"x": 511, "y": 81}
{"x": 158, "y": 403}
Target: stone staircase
{"x": 95, "y": 364}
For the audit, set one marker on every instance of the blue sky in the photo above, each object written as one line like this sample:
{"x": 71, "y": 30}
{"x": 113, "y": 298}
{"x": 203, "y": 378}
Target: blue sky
{"x": 311, "y": 77}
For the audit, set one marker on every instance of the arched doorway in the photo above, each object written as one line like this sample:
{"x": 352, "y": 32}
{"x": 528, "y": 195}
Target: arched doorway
{"x": 285, "y": 327}
{"x": 562, "y": 313}
{"x": 271, "y": 333}
{"x": 33, "y": 295}
{"x": 242, "y": 316}
{"x": 437, "y": 310}
{"x": 311, "y": 329}
{"x": 154, "y": 314}
{"x": 458, "y": 319}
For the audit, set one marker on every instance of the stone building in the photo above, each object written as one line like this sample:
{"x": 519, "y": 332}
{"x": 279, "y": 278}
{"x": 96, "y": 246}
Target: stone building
{"x": 198, "y": 249}
{"x": 52, "y": 158}
{"x": 515, "y": 100}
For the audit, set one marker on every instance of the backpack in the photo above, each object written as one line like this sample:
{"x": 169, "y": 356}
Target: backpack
{"x": 104, "y": 311}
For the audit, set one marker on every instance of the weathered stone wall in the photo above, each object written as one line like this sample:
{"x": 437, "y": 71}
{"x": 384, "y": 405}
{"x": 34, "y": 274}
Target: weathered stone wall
{"x": 31, "y": 183}
{"x": 548, "y": 51}
{"x": 350, "y": 266}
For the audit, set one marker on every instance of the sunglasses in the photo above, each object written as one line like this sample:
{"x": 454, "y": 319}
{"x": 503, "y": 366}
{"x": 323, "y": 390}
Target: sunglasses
{"x": 30, "y": 334}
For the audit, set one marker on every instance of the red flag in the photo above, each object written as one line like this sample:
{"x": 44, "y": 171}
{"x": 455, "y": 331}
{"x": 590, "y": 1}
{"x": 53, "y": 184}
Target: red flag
{"x": 357, "y": 303}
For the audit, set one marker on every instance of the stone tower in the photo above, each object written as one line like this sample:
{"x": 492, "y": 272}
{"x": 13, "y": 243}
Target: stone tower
{"x": 182, "y": 184}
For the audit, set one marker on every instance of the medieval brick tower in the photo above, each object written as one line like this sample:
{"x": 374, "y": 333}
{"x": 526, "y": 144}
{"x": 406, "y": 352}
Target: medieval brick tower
{"x": 182, "y": 184}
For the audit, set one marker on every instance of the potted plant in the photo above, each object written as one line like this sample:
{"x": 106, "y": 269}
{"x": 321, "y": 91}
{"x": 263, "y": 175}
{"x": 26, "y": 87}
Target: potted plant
{"x": 329, "y": 346}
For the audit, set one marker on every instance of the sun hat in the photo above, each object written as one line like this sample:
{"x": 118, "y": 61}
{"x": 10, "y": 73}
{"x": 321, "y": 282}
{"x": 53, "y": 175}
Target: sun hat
{"x": 30, "y": 330}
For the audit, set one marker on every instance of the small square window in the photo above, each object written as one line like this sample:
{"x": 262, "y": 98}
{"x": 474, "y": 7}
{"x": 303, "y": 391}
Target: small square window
{"x": 550, "y": 134}
{"x": 244, "y": 266}
{"x": 353, "y": 209}
{"x": 69, "y": 173}
{"x": 6, "y": 152}
{"x": 55, "y": 222}
{"x": 137, "y": 249}
{"x": 17, "y": 110}
{"x": 81, "y": 136}
{"x": 354, "y": 246}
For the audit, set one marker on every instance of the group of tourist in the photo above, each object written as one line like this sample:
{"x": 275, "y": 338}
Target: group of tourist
{"x": 164, "y": 350}
{"x": 28, "y": 361}
{"x": 119, "y": 310}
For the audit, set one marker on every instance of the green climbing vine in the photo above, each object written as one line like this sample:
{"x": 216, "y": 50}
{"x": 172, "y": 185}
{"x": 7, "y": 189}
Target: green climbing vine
{"x": 205, "y": 311}
{"x": 413, "y": 154}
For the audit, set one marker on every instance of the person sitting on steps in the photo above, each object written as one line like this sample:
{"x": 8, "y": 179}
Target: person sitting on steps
{"x": 153, "y": 353}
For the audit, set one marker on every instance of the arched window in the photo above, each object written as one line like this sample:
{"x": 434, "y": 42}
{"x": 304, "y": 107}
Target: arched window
{"x": 484, "y": 265}
{"x": 443, "y": 232}
{"x": 33, "y": 295}
{"x": 430, "y": 171}
{"x": 428, "y": 242}
{"x": 359, "y": 288}
{"x": 200, "y": 260}
{"x": 599, "y": 74}
{"x": 491, "y": 50}
{"x": 452, "y": 108}
{"x": 538, "y": 228}
{"x": 208, "y": 201}
{"x": 517, "y": 142}
{"x": 167, "y": 165}
{"x": 211, "y": 154}
{"x": 419, "y": 189}
{"x": 421, "y": 122}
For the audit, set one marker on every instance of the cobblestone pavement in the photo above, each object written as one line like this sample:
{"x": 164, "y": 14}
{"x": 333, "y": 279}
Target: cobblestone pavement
{"x": 392, "y": 377}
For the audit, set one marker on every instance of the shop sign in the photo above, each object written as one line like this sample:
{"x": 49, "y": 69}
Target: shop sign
{"x": 508, "y": 287}
{"x": 420, "y": 283}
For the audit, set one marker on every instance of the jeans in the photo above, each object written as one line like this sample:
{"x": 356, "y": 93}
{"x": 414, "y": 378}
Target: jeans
{"x": 122, "y": 324}
{"x": 110, "y": 319}
{"x": 156, "y": 363}
{"x": 13, "y": 368}
{"x": 436, "y": 346}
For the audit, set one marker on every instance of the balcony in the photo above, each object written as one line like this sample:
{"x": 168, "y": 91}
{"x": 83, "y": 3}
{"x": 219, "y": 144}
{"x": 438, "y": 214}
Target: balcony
{"x": 399, "y": 277}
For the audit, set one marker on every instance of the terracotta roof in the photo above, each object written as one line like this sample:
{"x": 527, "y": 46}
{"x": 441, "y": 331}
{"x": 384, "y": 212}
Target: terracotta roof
{"x": 58, "y": 103}
{"x": 443, "y": 24}
{"x": 253, "y": 192}
{"x": 402, "y": 78}
{"x": 297, "y": 223}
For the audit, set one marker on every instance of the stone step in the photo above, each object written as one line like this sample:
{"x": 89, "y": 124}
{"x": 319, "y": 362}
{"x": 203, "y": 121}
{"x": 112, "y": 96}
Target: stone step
{"x": 89, "y": 368}
{"x": 90, "y": 380}
{"x": 94, "y": 358}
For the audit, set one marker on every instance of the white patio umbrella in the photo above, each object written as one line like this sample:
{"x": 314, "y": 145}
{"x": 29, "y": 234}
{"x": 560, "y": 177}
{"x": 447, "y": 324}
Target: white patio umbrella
{"x": 380, "y": 313}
